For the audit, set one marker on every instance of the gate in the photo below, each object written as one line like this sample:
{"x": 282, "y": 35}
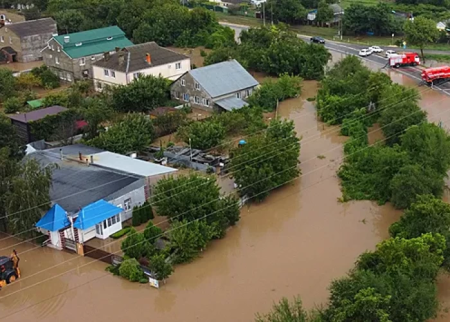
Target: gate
{"x": 70, "y": 244}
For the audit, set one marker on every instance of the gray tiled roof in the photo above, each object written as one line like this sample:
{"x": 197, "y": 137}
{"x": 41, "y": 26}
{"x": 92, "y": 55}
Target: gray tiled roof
{"x": 134, "y": 58}
{"x": 37, "y": 114}
{"x": 223, "y": 78}
{"x": 33, "y": 27}
{"x": 231, "y": 103}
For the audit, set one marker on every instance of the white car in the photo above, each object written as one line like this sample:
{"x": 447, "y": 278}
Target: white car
{"x": 376, "y": 49}
{"x": 389, "y": 53}
{"x": 365, "y": 52}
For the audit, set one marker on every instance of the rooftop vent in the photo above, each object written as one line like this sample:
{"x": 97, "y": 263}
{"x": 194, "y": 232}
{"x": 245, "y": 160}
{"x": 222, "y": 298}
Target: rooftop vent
{"x": 66, "y": 39}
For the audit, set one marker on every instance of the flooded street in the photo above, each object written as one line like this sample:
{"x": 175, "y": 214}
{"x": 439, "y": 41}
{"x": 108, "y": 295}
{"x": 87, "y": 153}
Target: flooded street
{"x": 294, "y": 243}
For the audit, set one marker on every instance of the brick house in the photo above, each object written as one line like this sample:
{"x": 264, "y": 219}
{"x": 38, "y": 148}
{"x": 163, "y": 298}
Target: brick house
{"x": 71, "y": 56}
{"x": 221, "y": 86}
{"x": 28, "y": 38}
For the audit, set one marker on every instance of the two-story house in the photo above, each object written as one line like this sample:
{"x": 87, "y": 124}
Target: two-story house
{"x": 131, "y": 62}
{"x": 221, "y": 86}
{"x": 71, "y": 56}
{"x": 25, "y": 40}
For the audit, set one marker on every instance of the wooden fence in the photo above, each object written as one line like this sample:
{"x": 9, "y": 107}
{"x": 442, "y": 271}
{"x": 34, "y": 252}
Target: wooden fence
{"x": 98, "y": 254}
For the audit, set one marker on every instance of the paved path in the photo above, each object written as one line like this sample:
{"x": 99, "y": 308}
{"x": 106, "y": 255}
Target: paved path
{"x": 353, "y": 49}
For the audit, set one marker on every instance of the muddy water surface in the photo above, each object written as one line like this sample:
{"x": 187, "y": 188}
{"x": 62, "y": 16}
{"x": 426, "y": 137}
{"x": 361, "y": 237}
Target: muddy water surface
{"x": 295, "y": 242}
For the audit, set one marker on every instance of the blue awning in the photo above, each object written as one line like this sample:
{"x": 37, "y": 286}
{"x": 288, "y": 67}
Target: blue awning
{"x": 95, "y": 213}
{"x": 54, "y": 220}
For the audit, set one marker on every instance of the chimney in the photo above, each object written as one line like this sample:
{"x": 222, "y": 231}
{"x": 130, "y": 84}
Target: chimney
{"x": 92, "y": 159}
{"x": 117, "y": 49}
{"x": 148, "y": 58}
{"x": 80, "y": 156}
{"x": 61, "y": 154}
{"x": 121, "y": 58}
{"x": 66, "y": 39}
{"x": 106, "y": 56}
{"x": 87, "y": 162}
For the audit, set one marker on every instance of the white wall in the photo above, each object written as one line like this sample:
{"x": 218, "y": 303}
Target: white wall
{"x": 99, "y": 76}
{"x": 137, "y": 198}
{"x": 167, "y": 71}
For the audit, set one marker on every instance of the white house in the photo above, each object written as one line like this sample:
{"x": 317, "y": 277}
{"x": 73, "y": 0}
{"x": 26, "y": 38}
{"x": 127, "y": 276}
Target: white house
{"x": 131, "y": 62}
{"x": 93, "y": 192}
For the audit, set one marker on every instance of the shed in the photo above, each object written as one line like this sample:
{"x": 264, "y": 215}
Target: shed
{"x": 52, "y": 224}
{"x": 22, "y": 121}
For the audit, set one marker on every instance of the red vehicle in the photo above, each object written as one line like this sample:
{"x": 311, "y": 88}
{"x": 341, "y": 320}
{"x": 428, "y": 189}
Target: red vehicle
{"x": 436, "y": 74}
{"x": 404, "y": 59}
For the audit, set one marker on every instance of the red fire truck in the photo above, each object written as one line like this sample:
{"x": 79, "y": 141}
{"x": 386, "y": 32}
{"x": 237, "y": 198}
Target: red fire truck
{"x": 436, "y": 75}
{"x": 404, "y": 59}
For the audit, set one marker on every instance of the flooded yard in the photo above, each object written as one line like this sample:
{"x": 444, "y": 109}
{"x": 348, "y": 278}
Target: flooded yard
{"x": 294, "y": 243}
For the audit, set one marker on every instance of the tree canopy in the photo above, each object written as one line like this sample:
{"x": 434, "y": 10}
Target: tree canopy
{"x": 420, "y": 32}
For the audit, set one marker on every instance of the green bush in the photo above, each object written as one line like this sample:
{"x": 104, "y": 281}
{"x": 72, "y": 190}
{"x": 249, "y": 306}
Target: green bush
{"x": 152, "y": 232}
{"x": 136, "y": 217}
{"x": 48, "y": 79}
{"x": 131, "y": 270}
{"x": 13, "y": 105}
{"x": 121, "y": 233}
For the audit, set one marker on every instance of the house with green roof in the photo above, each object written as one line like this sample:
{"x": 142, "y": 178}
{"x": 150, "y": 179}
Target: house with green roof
{"x": 71, "y": 56}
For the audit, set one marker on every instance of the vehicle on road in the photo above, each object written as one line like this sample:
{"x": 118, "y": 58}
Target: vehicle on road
{"x": 404, "y": 59}
{"x": 365, "y": 52}
{"x": 9, "y": 269}
{"x": 436, "y": 75}
{"x": 318, "y": 40}
{"x": 390, "y": 52}
{"x": 376, "y": 49}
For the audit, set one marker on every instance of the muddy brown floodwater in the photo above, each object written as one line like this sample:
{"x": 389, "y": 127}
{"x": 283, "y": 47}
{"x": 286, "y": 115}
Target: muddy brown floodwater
{"x": 294, "y": 243}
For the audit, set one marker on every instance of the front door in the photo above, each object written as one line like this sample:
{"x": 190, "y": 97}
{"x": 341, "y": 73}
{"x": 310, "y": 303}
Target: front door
{"x": 99, "y": 229}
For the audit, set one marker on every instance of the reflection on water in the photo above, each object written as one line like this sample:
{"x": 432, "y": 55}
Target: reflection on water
{"x": 295, "y": 242}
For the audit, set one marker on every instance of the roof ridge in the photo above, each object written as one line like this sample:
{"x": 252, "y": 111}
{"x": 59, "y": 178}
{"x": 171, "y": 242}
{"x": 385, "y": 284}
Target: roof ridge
{"x": 19, "y": 22}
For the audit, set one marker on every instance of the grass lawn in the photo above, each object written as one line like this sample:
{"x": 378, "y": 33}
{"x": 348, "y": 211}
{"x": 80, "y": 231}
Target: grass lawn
{"x": 347, "y": 3}
{"x": 439, "y": 58}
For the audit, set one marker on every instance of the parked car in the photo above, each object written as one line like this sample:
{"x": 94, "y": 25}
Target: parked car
{"x": 318, "y": 40}
{"x": 389, "y": 53}
{"x": 365, "y": 52}
{"x": 376, "y": 49}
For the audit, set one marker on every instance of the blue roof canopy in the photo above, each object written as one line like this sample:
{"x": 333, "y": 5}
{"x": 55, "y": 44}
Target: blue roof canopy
{"x": 54, "y": 220}
{"x": 95, "y": 213}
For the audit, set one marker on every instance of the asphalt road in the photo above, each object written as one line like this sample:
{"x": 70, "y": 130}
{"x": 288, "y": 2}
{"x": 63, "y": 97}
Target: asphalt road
{"x": 353, "y": 49}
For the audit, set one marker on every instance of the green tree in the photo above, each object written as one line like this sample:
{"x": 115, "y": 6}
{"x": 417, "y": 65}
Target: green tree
{"x": 427, "y": 215}
{"x": 131, "y": 270}
{"x": 288, "y": 11}
{"x": 324, "y": 12}
{"x": 160, "y": 267}
{"x": 9, "y": 139}
{"x": 13, "y": 105}
{"x": 46, "y": 77}
{"x": 266, "y": 161}
{"x": 202, "y": 135}
{"x": 95, "y": 111}
{"x": 429, "y": 146}
{"x": 287, "y": 311}
{"x": 135, "y": 217}
{"x": 132, "y": 134}
{"x": 152, "y": 232}
{"x": 421, "y": 32}
{"x": 136, "y": 246}
{"x": 413, "y": 180}
{"x": 220, "y": 54}
{"x": 70, "y": 20}
{"x": 169, "y": 122}
{"x": 7, "y": 84}
{"x": 143, "y": 94}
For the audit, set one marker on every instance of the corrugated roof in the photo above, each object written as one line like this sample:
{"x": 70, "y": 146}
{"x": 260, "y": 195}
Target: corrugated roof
{"x": 93, "y": 42}
{"x": 95, "y": 213}
{"x": 38, "y": 114}
{"x": 126, "y": 164}
{"x": 134, "y": 58}
{"x": 223, "y": 78}
{"x": 54, "y": 220}
{"x": 34, "y": 27}
{"x": 231, "y": 103}
{"x": 35, "y": 103}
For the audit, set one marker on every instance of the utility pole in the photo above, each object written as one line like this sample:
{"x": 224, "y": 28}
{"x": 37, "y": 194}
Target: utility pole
{"x": 264, "y": 14}
{"x": 271, "y": 12}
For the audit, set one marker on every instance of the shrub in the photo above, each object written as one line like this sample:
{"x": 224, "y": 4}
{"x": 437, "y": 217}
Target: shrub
{"x": 136, "y": 246}
{"x": 202, "y": 135}
{"x": 152, "y": 232}
{"x": 131, "y": 270}
{"x": 136, "y": 218}
{"x": 46, "y": 76}
{"x": 203, "y": 53}
{"x": 13, "y": 105}
{"x": 121, "y": 233}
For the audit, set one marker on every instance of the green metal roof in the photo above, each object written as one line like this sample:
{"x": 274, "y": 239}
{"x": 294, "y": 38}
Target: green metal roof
{"x": 92, "y": 42}
{"x": 35, "y": 103}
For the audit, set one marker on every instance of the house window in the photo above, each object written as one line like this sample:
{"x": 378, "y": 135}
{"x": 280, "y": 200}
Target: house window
{"x": 183, "y": 82}
{"x": 78, "y": 44}
{"x": 197, "y": 99}
{"x": 82, "y": 61}
{"x": 178, "y": 66}
{"x": 247, "y": 92}
{"x": 56, "y": 60}
{"x": 58, "y": 49}
{"x": 106, "y": 72}
{"x": 197, "y": 86}
{"x": 207, "y": 102}
{"x": 104, "y": 224}
{"x": 113, "y": 219}
{"x": 118, "y": 218}
{"x": 61, "y": 75}
{"x": 99, "y": 85}
{"x": 109, "y": 222}
{"x": 127, "y": 204}
{"x": 69, "y": 77}
{"x": 2, "y": 39}
{"x": 113, "y": 74}
{"x": 238, "y": 94}
{"x": 186, "y": 97}
{"x": 50, "y": 56}
{"x": 52, "y": 48}
{"x": 92, "y": 57}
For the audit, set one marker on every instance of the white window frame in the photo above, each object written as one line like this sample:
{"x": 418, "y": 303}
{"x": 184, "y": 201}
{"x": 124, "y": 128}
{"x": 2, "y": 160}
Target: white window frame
{"x": 113, "y": 220}
{"x": 50, "y": 56}
{"x": 92, "y": 57}
{"x": 183, "y": 82}
{"x": 127, "y": 204}
{"x": 197, "y": 100}
{"x": 186, "y": 97}
{"x": 197, "y": 86}
{"x": 177, "y": 66}
{"x": 106, "y": 72}
{"x": 58, "y": 49}
{"x": 52, "y": 47}
{"x": 56, "y": 60}
{"x": 69, "y": 77}
{"x": 112, "y": 73}
{"x": 118, "y": 218}
{"x": 238, "y": 95}
{"x": 82, "y": 61}
{"x": 206, "y": 102}
{"x": 248, "y": 92}
{"x": 2, "y": 39}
